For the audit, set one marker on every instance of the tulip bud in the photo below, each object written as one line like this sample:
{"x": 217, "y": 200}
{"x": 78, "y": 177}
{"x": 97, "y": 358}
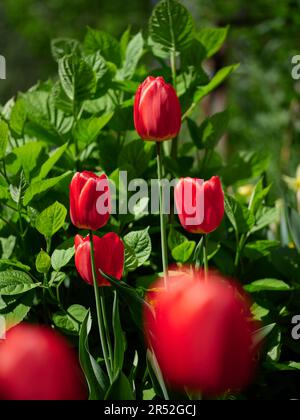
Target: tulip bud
{"x": 157, "y": 113}
{"x": 37, "y": 364}
{"x": 89, "y": 200}
{"x": 200, "y": 207}
{"x": 109, "y": 256}
{"x": 201, "y": 332}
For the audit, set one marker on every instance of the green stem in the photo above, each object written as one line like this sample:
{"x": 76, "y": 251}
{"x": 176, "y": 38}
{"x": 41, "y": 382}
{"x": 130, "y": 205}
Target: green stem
{"x": 99, "y": 311}
{"x": 164, "y": 248}
{"x": 205, "y": 260}
{"x": 108, "y": 340}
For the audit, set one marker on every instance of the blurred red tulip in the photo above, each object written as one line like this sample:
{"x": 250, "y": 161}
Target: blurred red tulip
{"x": 89, "y": 200}
{"x": 157, "y": 113}
{"x": 200, "y": 206}
{"x": 109, "y": 256}
{"x": 201, "y": 333}
{"x": 37, "y": 364}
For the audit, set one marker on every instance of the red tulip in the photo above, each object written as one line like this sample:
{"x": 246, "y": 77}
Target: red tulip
{"x": 157, "y": 113}
{"x": 89, "y": 200}
{"x": 200, "y": 206}
{"x": 37, "y": 364}
{"x": 109, "y": 256}
{"x": 201, "y": 333}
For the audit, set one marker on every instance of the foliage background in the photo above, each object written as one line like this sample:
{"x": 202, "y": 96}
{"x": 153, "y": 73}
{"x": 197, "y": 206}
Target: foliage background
{"x": 264, "y": 112}
{"x": 263, "y": 37}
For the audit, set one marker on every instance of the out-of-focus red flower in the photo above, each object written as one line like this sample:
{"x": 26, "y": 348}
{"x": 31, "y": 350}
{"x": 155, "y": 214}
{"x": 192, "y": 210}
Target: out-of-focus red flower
{"x": 157, "y": 113}
{"x": 89, "y": 200}
{"x": 109, "y": 256}
{"x": 202, "y": 333}
{"x": 200, "y": 206}
{"x": 37, "y": 364}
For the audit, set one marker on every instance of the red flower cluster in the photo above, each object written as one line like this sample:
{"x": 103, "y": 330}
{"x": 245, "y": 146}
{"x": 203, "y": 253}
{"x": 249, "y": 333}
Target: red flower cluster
{"x": 90, "y": 209}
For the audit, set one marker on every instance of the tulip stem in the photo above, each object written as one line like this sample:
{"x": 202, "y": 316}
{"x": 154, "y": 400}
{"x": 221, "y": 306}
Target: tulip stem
{"x": 205, "y": 260}
{"x": 99, "y": 310}
{"x": 164, "y": 249}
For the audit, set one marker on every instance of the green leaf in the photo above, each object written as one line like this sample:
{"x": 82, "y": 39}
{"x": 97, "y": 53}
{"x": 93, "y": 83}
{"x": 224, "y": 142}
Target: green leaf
{"x": 63, "y": 46}
{"x": 86, "y": 131}
{"x": 14, "y": 282}
{"x": 49, "y": 164}
{"x": 264, "y": 217}
{"x": 40, "y": 187}
{"x": 219, "y": 77}
{"x": 63, "y": 254}
{"x": 131, "y": 262}
{"x": 120, "y": 389}
{"x": 77, "y": 78}
{"x": 183, "y": 252}
{"x": 267, "y": 285}
{"x": 42, "y": 262}
{"x": 140, "y": 243}
{"x": 212, "y": 129}
{"x": 175, "y": 238}
{"x": 134, "y": 52}
{"x": 5, "y": 263}
{"x": 136, "y": 154}
{"x": 4, "y": 133}
{"x": 8, "y": 245}
{"x": 120, "y": 343}
{"x": 260, "y": 248}
{"x": 257, "y": 196}
{"x": 240, "y": 217}
{"x": 50, "y": 220}
{"x": 171, "y": 28}
{"x": 17, "y": 310}
{"x": 96, "y": 379}
{"x": 212, "y": 39}
{"x": 104, "y": 43}
{"x": 25, "y": 157}
{"x": 70, "y": 322}
{"x": 104, "y": 72}
{"x": 18, "y": 117}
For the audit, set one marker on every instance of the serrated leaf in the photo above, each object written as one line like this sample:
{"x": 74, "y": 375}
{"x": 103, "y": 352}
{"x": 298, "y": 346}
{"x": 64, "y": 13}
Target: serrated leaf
{"x": 17, "y": 310}
{"x": 77, "y": 78}
{"x": 25, "y": 157}
{"x": 86, "y": 131}
{"x": 212, "y": 39}
{"x": 171, "y": 28}
{"x": 63, "y": 46}
{"x": 131, "y": 262}
{"x": 134, "y": 52}
{"x": 8, "y": 245}
{"x": 40, "y": 187}
{"x": 18, "y": 117}
{"x": 49, "y": 164}
{"x": 63, "y": 254}
{"x": 103, "y": 42}
{"x": 50, "y": 220}
{"x": 140, "y": 243}
{"x": 14, "y": 282}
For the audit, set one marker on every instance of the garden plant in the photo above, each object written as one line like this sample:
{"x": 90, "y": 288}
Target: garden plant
{"x": 114, "y": 287}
